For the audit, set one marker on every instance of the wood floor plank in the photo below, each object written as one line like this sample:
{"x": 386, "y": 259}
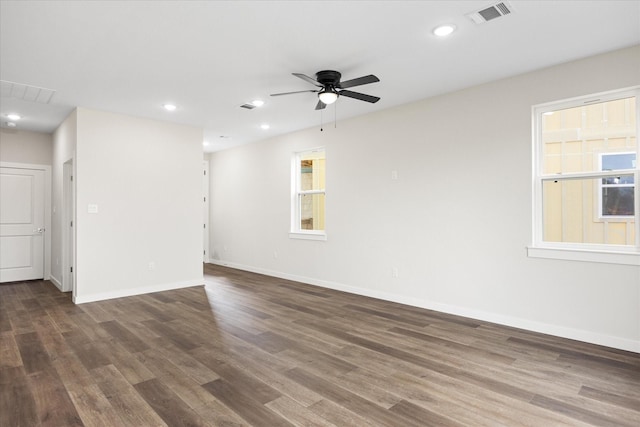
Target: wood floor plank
{"x": 339, "y": 415}
{"x": 86, "y": 349}
{"x": 131, "y": 407}
{"x": 17, "y": 405}
{"x": 93, "y": 407}
{"x": 183, "y": 342}
{"x": 9, "y": 351}
{"x": 421, "y": 415}
{"x": 53, "y": 404}
{"x": 574, "y": 412}
{"x": 134, "y": 371}
{"x": 613, "y": 398}
{"x": 243, "y": 382}
{"x": 297, "y": 414}
{"x": 348, "y": 399}
{"x": 269, "y": 369}
{"x": 173, "y": 410}
{"x": 464, "y": 405}
{"x": 32, "y": 352}
{"x": 124, "y": 336}
{"x": 5, "y": 322}
{"x": 189, "y": 390}
{"x": 186, "y": 362}
{"x": 254, "y": 412}
{"x": 462, "y": 349}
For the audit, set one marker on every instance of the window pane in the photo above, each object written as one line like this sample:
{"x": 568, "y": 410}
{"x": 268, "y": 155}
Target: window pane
{"x": 617, "y": 201}
{"x": 585, "y": 211}
{"x": 312, "y": 211}
{"x": 612, "y": 162}
{"x": 574, "y": 139}
{"x": 312, "y": 173}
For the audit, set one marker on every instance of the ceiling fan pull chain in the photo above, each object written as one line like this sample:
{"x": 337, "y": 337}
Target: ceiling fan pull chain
{"x": 321, "y": 121}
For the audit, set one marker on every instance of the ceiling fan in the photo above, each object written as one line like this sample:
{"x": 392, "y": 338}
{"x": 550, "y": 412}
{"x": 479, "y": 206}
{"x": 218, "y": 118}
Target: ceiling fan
{"x": 330, "y": 87}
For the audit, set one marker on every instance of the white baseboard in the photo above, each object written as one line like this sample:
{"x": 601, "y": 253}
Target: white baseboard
{"x": 515, "y": 322}
{"x": 56, "y": 282}
{"x": 136, "y": 291}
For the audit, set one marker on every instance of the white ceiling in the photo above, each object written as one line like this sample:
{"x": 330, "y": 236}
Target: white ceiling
{"x": 209, "y": 57}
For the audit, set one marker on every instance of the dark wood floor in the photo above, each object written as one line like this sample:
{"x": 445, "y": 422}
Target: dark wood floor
{"x": 252, "y": 350}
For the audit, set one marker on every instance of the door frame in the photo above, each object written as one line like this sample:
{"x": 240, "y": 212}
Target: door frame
{"x": 47, "y": 213}
{"x": 205, "y": 193}
{"x": 68, "y": 235}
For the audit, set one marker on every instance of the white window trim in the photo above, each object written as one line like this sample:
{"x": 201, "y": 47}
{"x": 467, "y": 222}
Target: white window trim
{"x": 296, "y": 232}
{"x": 613, "y": 254}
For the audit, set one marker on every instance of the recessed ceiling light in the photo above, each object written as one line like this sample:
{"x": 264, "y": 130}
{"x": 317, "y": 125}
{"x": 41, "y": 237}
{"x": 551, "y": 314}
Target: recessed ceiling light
{"x": 170, "y": 107}
{"x": 205, "y": 143}
{"x": 11, "y": 124}
{"x": 13, "y": 116}
{"x": 264, "y": 126}
{"x": 444, "y": 30}
{"x": 257, "y": 102}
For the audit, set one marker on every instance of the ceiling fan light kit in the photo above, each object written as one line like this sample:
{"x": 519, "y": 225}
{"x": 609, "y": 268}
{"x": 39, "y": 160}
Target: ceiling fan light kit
{"x": 328, "y": 96}
{"x": 330, "y": 87}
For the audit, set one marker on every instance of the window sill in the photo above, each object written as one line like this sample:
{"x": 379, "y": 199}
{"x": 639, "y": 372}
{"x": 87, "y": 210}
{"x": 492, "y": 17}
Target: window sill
{"x": 567, "y": 254}
{"x": 308, "y": 236}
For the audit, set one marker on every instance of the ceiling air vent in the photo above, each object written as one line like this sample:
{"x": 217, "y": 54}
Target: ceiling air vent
{"x": 489, "y": 13}
{"x": 26, "y": 92}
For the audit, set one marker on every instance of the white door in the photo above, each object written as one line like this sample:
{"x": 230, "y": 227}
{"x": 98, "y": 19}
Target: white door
{"x": 21, "y": 224}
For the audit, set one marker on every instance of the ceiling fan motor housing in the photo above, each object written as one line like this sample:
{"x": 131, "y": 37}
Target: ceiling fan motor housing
{"x": 328, "y": 78}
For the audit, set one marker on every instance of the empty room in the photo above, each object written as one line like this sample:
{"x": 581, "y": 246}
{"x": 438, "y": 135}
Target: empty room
{"x": 319, "y": 213}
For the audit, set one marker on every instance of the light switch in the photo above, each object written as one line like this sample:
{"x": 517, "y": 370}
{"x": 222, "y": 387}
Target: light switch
{"x": 92, "y": 209}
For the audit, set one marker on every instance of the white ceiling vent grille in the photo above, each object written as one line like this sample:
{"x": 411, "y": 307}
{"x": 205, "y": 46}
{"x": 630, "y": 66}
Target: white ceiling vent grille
{"x": 490, "y": 13}
{"x": 26, "y": 92}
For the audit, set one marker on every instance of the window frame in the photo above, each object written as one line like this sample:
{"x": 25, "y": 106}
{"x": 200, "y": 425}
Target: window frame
{"x": 589, "y": 252}
{"x": 296, "y": 232}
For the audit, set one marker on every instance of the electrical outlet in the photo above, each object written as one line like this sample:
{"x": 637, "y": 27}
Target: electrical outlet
{"x": 394, "y": 272}
{"x": 152, "y": 265}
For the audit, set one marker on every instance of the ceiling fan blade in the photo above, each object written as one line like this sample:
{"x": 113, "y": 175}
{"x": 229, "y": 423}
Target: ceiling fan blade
{"x": 307, "y": 79}
{"x": 291, "y": 93}
{"x": 360, "y": 96}
{"x": 359, "y": 81}
{"x": 321, "y": 105}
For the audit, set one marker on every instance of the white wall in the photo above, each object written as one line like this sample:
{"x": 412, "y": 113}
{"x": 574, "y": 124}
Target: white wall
{"x": 145, "y": 177}
{"x": 455, "y": 224}
{"x": 64, "y": 146}
{"x": 21, "y": 146}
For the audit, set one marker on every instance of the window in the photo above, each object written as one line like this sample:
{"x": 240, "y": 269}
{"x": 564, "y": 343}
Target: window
{"x": 308, "y": 195}
{"x": 585, "y": 170}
